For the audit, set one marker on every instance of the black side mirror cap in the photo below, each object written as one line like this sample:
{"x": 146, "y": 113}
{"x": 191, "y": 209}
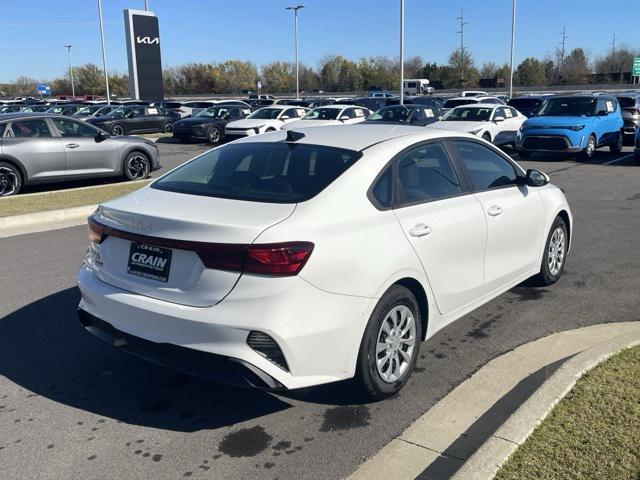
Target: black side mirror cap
{"x": 602, "y": 113}
{"x": 535, "y": 178}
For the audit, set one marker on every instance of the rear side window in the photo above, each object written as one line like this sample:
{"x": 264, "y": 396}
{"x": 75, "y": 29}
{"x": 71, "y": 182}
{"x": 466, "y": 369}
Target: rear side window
{"x": 627, "y": 102}
{"x": 486, "y": 168}
{"x": 275, "y": 172}
{"x": 381, "y": 191}
{"x": 30, "y": 129}
{"x": 426, "y": 173}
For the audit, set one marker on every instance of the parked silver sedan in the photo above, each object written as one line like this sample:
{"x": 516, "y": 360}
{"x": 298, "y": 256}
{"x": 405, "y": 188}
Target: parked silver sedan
{"x": 39, "y": 148}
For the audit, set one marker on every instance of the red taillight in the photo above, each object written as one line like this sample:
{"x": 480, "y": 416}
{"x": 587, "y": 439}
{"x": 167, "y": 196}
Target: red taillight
{"x": 633, "y": 111}
{"x": 95, "y": 231}
{"x": 280, "y": 259}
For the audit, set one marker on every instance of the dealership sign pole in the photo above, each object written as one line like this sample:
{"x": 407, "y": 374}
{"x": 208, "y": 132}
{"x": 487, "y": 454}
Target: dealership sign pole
{"x": 104, "y": 56}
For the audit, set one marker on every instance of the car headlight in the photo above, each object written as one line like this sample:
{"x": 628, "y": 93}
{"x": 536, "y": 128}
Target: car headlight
{"x": 476, "y": 131}
{"x": 576, "y": 128}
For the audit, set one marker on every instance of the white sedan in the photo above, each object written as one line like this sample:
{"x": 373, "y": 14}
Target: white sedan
{"x": 305, "y": 257}
{"x": 266, "y": 119}
{"x": 497, "y": 124}
{"x": 330, "y": 115}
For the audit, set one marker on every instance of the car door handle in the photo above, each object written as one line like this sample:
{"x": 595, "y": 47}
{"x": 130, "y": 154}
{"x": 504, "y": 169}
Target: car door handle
{"x": 495, "y": 210}
{"x": 420, "y": 230}
{"x": 72, "y": 145}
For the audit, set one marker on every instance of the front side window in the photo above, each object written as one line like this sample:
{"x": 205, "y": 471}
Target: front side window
{"x": 34, "y": 128}
{"x": 390, "y": 114}
{"x": 273, "y": 172}
{"x": 426, "y": 173}
{"x": 486, "y": 168}
{"x": 68, "y": 129}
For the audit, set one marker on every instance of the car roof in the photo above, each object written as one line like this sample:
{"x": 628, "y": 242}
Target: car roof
{"x": 12, "y": 116}
{"x": 351, "y": 137}
{"x": 481, "y": 105}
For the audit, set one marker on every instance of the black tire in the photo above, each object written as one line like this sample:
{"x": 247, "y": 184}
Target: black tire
{"x": 118, "y": 129}
{"x": 136, "y": 166}
{"x": 524, "y": 154}
{"x": 167, "y": 127}
{"x": 214, "y": 135}
{"x": 547, "y": 276}
{"x": 10, "y": 180}
{"x": 617, "y": 147}
{"x": 368, "y": 380}
{"x": 486, "y": 136}
{"x": 590, "y": 150}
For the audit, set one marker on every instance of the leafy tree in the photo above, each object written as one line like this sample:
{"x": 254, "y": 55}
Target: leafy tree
{"x": 413, "y": 67}
{"x": 488, "y": 70}
{"x": 576, "y": 69}
{"x": 337, "y": 74}
{"x": 530, "y": 72}
{"x": 379, "y": 72}
{"x": 615, "y": 64}
{"x": 278, "y": 77}
{"x": 462, "y": 66}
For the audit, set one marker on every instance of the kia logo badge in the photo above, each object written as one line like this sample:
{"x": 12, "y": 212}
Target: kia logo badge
{"x": 148, "y": 40}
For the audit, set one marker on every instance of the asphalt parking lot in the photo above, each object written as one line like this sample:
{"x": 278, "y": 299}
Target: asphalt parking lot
{"x": 72, "y": 407}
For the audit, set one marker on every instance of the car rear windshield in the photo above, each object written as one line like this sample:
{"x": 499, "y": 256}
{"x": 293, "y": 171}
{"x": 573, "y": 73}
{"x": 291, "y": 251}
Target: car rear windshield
{"x": 519, "y": 103}
{"x": 569, "y": 107}
{"x": 627, "y": 102}
{"x": 322, "y": 114}
{"x": 390, "y": 114}
{"x": 457, "y": 103}
{"x": 274, "y": 172}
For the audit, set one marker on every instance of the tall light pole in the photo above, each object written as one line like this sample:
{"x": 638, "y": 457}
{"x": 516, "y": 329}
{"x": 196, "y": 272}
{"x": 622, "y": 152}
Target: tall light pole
{"x": 146, "y": 5}
{"x": 104, "y": 56}
{"x": 295, "y": 9}
{"x": 73, "y": 85}
{"x": 401, "y": 52}
{"x": 461, "y": 32}
{"x": 513, "y": 35}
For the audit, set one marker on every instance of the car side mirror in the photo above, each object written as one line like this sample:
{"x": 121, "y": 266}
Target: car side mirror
{"x": 499, "y": 119}
{"x": 602, "y": 113}
{"x": 101, "y": 136}
{"x": 536, "y": 178}
{"x": 285, "y": 117}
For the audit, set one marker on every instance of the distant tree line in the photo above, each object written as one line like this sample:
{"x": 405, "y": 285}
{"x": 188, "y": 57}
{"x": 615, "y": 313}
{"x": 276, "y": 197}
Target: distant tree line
{"x": 335, "y": 73}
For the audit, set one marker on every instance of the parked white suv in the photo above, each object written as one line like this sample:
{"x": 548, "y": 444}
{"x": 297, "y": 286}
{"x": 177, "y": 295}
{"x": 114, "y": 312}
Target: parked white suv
{"x": 299, "y": 258}
{"x": 330, "y": 115}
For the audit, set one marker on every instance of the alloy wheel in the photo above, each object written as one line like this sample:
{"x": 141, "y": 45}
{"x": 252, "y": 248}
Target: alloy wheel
{"x": 214, "y": 135}
{"x": 395, "y": 344}
{"x": 591, "y": 147}
{"x": 8, "y": 182}
{"x": 117, "y": 130}
{"x": 137, "y": 167}
{"x": 556, "y": 251}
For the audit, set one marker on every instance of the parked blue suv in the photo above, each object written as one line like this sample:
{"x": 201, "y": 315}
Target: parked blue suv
{"x": 573, "y": 124}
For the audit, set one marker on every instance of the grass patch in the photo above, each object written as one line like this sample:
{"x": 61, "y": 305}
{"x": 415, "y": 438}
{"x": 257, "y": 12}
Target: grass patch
{"x": 76, "y": 197}
{"x": 593, "y": 433}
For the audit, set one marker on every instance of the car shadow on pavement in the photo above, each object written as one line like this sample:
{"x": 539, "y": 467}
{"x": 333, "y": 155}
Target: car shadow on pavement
{"x": 44, "y": 349}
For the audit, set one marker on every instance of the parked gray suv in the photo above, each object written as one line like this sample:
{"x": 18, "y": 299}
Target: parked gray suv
{"x": 630, "y": 105}
{"x": 39, "y": 148}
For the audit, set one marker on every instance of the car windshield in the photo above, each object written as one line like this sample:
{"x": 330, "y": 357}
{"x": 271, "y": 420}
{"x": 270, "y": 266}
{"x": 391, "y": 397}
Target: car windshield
{"x": 214, "y": 112}
{"x": 87, "y": 110}
{"x": 467, "y": 114}
{"x": 322, "y": 114}
{"x": 390, "y": 114}
{"x": 275, "y": 172}
{"x": 104, "y": 111}
{"x": 569, "y": 107}
{"x": 519, "y": 103}
{"x": 459, "y": 102}
{"x": 266, "y": 114}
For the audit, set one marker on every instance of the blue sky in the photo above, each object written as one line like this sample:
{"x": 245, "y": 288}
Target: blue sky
{"x": 33, "y": 32}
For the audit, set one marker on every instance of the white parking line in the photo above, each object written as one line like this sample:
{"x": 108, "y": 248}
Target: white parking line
{"x": 618, "y": 159}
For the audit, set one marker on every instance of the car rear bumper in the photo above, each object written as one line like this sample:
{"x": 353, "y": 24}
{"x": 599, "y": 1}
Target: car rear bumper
{"x": 318, "y": 333}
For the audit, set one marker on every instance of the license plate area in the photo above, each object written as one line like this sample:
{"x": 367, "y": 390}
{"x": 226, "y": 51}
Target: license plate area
{"x": 148, "y": 261}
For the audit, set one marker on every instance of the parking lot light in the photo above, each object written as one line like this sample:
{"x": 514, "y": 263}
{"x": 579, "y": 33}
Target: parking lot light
{"x": 104, "y": 56}
{"x": 513, "y": 33}
{"x": 295, "y": 9}
{"x": 73, "y": 86}
{"x": 401, "y": 52}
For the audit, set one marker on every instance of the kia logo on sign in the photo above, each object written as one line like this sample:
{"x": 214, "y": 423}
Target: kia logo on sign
{"x": 148, "y": 40}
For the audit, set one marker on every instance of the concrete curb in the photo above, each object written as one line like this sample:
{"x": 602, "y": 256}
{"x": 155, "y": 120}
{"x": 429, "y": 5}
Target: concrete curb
{"x": 473, "y": 429}
{"x": 485, "y": 463}
{"x": 42, "y": 221}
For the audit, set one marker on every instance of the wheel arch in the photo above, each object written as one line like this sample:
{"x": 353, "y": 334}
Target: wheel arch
{"x": 415, "y": 287}
{"x": 564, "y": 215}
{"x": 17, "y": 164}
